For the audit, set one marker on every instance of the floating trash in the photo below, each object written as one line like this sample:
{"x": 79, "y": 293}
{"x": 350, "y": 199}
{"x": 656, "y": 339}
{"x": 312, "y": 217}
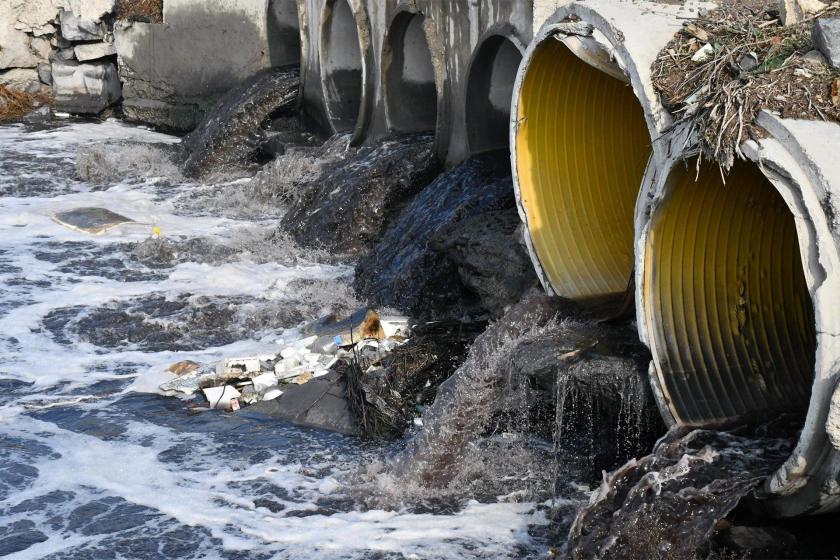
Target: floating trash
{"x": 95, "y": 221}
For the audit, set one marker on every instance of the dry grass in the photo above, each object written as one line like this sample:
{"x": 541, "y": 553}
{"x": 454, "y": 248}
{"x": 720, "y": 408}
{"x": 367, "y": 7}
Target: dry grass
{"x": 16, "y": 104}
{"x": 150, "y": 11}
{"x": 721, "y": 96}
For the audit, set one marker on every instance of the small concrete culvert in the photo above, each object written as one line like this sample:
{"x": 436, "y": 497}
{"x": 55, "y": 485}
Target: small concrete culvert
{"x": 730, "y": 318}
{"x": 489, "y": 91}
{"x": 410, "y": 89}
{"x": 342, "y": 66}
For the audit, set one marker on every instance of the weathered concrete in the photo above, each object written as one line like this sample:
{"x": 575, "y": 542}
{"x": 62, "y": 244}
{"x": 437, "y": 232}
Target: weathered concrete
{"x": 175, "y": 70}
{"x": 406, "y": 67}
{"x": 86, "y": 88}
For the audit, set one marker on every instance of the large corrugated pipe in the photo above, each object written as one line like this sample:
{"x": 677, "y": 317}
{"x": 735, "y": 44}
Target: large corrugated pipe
{"x": 583, "y": 117}
{"x": 738, "y": 297}
{"x": 737, "y": 285}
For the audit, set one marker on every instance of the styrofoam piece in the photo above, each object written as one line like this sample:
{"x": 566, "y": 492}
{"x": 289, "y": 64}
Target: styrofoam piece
{"x": 220, "y": 397}
{"x": 264, "y": 381}
{"x": 272, "y": 394}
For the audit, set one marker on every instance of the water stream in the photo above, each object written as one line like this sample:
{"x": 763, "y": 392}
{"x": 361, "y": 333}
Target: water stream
{"x": 94, "y": 463}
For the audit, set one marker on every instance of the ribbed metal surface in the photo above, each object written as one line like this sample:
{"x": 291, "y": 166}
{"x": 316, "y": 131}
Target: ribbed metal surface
{"x": 726, "y": 300}
{"x": 582, "y": 146}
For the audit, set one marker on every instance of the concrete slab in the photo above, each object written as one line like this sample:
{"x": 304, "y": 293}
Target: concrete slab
{"x": 95, "y": 221}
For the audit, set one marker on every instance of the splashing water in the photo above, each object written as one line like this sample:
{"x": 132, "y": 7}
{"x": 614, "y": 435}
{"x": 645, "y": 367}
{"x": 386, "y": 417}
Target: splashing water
{"x": 95, "y": 465}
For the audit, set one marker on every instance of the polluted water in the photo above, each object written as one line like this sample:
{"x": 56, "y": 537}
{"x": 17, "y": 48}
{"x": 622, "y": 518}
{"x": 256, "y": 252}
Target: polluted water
{"x": 98, "y": 464}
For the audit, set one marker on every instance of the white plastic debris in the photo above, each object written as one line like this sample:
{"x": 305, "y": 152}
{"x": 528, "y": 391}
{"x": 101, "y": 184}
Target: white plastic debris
{"x": 704, "y": 54}
{"x": 264, "y": 382}
{"x": 272, "y": 394}
{"x": 395, "y": 326}
{"x": 239, "y": 366}
{"x": 220, "y": 397}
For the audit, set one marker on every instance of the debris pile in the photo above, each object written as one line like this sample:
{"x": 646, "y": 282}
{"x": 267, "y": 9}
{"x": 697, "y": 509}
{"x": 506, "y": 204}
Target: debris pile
{"x": 725, "y": 66}
{"x": 233, "y": 383}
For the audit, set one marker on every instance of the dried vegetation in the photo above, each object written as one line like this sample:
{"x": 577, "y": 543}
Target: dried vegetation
{"x": 149, "y": 11}
{"x": 16, "y": 104}
{"x": 725, "y": 66}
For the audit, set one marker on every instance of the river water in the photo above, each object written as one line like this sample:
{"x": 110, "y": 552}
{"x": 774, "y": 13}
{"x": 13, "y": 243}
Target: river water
{"x": 94, "y": 463}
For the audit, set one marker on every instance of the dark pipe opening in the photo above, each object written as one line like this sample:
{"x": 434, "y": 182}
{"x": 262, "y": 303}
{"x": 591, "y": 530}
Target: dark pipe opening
{"x": 342, "y": 67}
{"x": 283, "y": 32}
{"x": 411, "y": 95}
{"x": 489, "y": 93}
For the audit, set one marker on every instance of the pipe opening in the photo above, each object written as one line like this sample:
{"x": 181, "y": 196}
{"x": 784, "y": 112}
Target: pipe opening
{"x": 489, "y": 91}
{"x": 341, "y": 66}
{"x": 283, "y": 32}
{"x": 410, "y": 77}
{"x": 582, "y": 145}
{"x": 727, "y": 304}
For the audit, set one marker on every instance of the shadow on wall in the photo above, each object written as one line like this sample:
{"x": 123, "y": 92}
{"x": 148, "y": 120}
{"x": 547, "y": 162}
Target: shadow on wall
{"x": 283, "y": 32}
{"x": 341, "y": 65}
{"x": 489, "y": 91}
{"x": 411, "y": 93}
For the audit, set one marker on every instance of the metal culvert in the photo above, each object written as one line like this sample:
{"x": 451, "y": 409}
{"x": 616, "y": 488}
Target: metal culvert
{"x": 730, "y": 319}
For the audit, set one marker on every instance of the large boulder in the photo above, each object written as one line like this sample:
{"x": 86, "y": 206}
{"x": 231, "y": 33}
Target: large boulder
{"x": 87, "y": 88}
{"x": 826, "y": 37}
{"x": 319, "y": 403}
{"x": 75, "y": 28}
{"x": 405, "y": 269}
{"x": 347, "y": 209}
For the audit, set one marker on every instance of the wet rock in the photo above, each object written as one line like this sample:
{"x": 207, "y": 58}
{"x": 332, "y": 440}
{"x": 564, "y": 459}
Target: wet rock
{"x": 490, "y": 257}
{"x": 233, "y": 130}
{"x": 320, "y": 403}
{"x": 826, "y": 37}
{"x": 348, "y": 207}
{"x": 667, "y": 505}
{"x": 405, "y": 270}
{"x": 385, "y": 399}
{"x": 87, "y": 88}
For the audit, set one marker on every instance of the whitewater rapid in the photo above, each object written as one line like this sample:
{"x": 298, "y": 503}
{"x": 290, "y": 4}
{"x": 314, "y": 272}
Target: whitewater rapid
{"x": 94, "y": 463}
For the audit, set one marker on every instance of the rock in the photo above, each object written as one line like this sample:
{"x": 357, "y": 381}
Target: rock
{"x": 347, "y": 209}
{"x": 232, "y": 131}
{"x": 86, "y": 88}
{"x": 826, "y": 36}
{"x": 748, "y": 62}
{"x": 94, "y": 51}
{"x": 404, "y": 270}
{"x": 794, "y": 11}
{"x": 92, "y": 10}
{"x": 45, "y": 73}
{"x": 21, "y": 79}
{"x": 757, "y": 539}
{"x": 18, "y": 49}
{"x": 491, "y": 258}
{"x": 704, "y": 53}
{"x": 320, "y": 403}
{"x": 74, "y": 28}
{"x": 814, "y": 57}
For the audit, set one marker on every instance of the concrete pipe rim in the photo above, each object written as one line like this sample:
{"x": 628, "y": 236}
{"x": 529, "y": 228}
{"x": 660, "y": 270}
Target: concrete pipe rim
{"x": 608, "y": 44}
{"x": 799, "y": 486}
{"x": 362, "y": 30}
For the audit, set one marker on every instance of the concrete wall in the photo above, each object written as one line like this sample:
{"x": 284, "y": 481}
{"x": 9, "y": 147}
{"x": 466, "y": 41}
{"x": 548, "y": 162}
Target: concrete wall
{"x": 174, "y": 70}
{"x": 391, "y": 88}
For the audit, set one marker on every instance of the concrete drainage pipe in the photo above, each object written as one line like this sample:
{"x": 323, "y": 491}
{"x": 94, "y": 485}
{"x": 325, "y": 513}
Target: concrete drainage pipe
{"x": 738, "y": 297}
{"x": 583, "y": 116}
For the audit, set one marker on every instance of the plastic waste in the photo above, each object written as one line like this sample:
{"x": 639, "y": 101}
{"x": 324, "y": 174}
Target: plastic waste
{"x": 221, "y": 397}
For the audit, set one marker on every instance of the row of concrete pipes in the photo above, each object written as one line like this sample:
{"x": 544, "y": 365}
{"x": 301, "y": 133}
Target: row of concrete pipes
{"x": 736, "y": 279}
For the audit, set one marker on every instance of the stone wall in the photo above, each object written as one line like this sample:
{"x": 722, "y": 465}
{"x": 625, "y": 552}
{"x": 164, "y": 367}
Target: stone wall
{"x": 60, "y": 46}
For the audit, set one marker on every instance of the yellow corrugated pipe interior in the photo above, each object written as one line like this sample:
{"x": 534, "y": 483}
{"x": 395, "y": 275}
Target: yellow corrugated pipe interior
{"x": 730, "y": 317}
{"x": 582, "y": 146}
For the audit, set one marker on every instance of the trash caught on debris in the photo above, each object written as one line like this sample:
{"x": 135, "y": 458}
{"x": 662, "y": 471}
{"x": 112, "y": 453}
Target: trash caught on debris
{"x": 232, "y": 383}
{"x": 95, "y": 221}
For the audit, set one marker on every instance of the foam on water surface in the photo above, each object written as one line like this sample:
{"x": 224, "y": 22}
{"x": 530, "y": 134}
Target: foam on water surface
{"x": 94, "y": 465}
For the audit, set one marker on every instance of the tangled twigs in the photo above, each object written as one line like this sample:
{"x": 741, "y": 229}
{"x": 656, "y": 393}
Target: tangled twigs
{"x": 723, "y": 68}
{"x": 16, "y": 104}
